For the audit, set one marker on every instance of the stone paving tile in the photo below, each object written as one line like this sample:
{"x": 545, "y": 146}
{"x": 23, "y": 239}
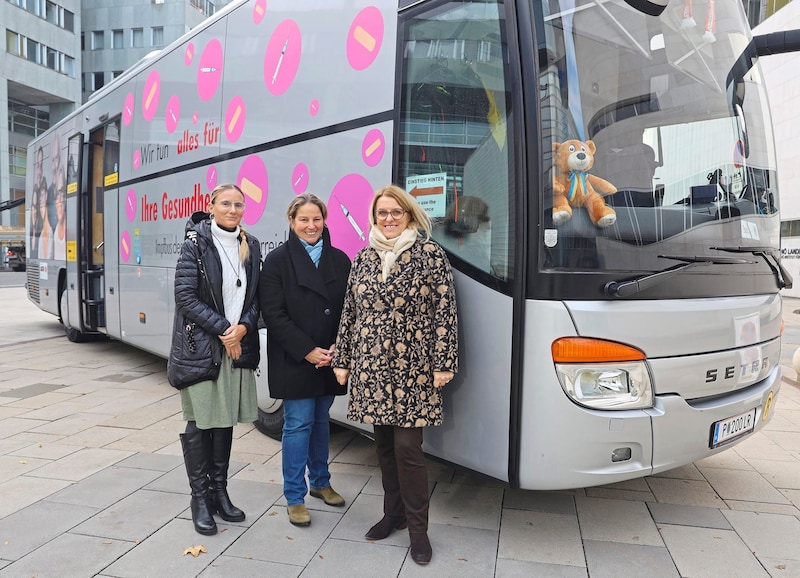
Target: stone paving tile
{"x": 157, "y": 462}
{"x": 761, "y": 447}
{"x": 22, "y": 491}
{"x": 72, "y": 424}
{"x": 541, "y": 537}
{"x": 520, "y": 569}
{"x": 162, "y": 553}
{"x": 685, "y": 492}
{"x": 744, "y": 486}
{"x": 603, "y": 560}
{"x": 457, "y": 551}
{"x": 701, "y": 552}
{"x": 365, "y": 511}
{"x": 144, "y": 416}
{"x": 81, "y": 464}
{"x": 793, "y": 496}
{"x": 552, "y": 502}
{"x": 789, "y": 441}
{"x": 769, "y": 535}
{"x": 617, "y": 521}
{"x": 336, "y": 559}
{"x": 783, "y": 475}
{"x": 144, "y": 440}
{"x": 44, "y": 400}
{"x": 6, "y": 411}
{"x": 781, "y": 568}
{"x": 70, "y": 555}
{"x": 360, "y": 451}
{"x": 273, "y": 539}
{"x": 134, "y": 517}
{"x": 14, "y": 425}
{"x": 45, "y": 451}
{"x": 728, "y": 459}
{"x": 105, "y": 488}
{"x": 229, "y": 566}
{"x": 96, "y": 436}
{"x": 688, "y": 472}
{"x": 618, "y": 494}
{"x": 678, "y": 515}
{"x": 28, "y": 529}
{"x": 9, "y": 445}
{"x": 471, "y": 506}
{"x": 13, "y": 466}
{"x": 762, "y": 508}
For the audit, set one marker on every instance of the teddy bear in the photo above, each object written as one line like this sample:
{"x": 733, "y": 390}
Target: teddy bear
{"x": 573, "y": 186}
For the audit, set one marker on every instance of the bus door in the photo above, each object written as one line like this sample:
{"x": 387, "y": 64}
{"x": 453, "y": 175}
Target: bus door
{"x": 103, "y": 162}
{"x": 69, "y": 294}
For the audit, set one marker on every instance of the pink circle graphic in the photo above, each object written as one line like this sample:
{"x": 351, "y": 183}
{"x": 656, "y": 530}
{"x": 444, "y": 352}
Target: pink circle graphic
{"x": 282, "y": 57}
{"x": 259, "y": 9}
{"x": 313, "y": 108}
{"x": 364, "y": 38}
{"x": 194, "y": 118}
{"x": 173, "y": 113}
{"x": 348, "y": 213}
{"x": 209, "y": 71}
{"x": 253, "y": 181}
{"x": 372, "y": 147}
{"x": 127, "y": 109}
{"x": 137, "y": 159}
{"x": 188, "y": 54}
{"x": 130, "y": 205}
{"x": 211, "y": 177}
{"x": 234, "y": 119}
{"x": 150, "y": 95}
{"x": 125, "y": 246}
{"x": 300, "y": 178}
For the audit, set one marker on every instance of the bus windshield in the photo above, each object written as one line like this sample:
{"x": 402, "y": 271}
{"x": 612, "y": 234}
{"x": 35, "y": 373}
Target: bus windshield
{"x": 683, "y": 158}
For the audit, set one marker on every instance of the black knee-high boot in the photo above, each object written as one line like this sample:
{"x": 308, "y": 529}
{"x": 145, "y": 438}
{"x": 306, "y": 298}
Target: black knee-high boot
{"x": 221, "y": 442}
{"x": 197, "y": 458}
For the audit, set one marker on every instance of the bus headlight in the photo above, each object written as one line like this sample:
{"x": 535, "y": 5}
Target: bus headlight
{"x": 607, "y": 386}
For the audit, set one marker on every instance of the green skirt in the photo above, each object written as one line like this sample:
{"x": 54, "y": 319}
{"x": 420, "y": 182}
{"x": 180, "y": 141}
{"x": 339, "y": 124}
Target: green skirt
{"x": 224, "y": 402}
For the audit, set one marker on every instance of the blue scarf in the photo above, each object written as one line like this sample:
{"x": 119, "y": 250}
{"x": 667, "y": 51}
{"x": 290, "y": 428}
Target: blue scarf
{"x": 575, "y": 185}
{"x": 314, "y": 251}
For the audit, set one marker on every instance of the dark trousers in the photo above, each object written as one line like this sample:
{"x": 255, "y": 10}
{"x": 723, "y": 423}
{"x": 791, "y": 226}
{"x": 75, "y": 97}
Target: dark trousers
{"x": 404, "y": 475}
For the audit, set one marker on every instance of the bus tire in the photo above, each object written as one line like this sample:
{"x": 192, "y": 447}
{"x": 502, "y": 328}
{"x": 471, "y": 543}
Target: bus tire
{"x": 270, "y": 423}
{"x": 74, "y": 335}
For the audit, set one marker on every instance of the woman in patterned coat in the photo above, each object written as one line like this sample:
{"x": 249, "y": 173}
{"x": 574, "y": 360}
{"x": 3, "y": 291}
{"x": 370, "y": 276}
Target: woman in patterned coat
{"x": 398, "y": 345}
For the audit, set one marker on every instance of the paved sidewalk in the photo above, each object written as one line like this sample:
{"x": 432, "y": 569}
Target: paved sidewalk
{"x": 92, "y": 484}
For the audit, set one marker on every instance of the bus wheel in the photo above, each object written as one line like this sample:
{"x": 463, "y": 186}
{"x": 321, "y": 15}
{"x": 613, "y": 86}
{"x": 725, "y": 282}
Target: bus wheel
{"x": 270, "y": 423}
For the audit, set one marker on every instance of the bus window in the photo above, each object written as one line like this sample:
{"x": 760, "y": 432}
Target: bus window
{"x": 690, "y": 170}
{"x": 454, "y": 132}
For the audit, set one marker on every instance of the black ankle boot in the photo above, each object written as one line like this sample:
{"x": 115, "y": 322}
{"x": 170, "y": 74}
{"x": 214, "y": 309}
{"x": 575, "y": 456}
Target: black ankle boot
{"x": 196, "y": 453}
{"x": 221, "y": 442}
{"x": 386, "y": 526}
{"x": 421, "y": 551}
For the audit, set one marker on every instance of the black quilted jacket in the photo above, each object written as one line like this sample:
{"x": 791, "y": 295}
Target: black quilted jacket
{"x": 196, "y": 350}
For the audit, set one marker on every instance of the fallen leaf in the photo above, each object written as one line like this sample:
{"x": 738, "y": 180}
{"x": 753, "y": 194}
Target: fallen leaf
{"x": 195, "y": 550}
{"x": 23, "y": 462}
{"x": 463, "y": 559}
{"x": 781, "y": 566}
{"x": 289, "y": 538}
{"x": 321, "y": 557}
{"x": 273, "y": 513}
{"x": 107, "y": 542}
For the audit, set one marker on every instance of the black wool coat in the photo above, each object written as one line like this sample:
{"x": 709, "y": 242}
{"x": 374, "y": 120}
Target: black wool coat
{"x": 196, "y": 351}
{"x": 301, "y": 306}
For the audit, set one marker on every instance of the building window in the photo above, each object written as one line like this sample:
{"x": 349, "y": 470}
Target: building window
{"x": 52, "y": 58}
{"x": 137, "y": 38}
{"x": 69, "y": 21}
{"x": 17, "y": 158}
{"x": 97, "y": 40}
{"x": 98, "y": 80}
{"x": 158, "y": 36}
{"x": 32, "y": 50}
{"x": 117, "y": 73}
{"x": 116, "y": 39}
{"x": 51, "y": 12}
{"x": 68, "y": 66}
{"x": 12, "y": 43}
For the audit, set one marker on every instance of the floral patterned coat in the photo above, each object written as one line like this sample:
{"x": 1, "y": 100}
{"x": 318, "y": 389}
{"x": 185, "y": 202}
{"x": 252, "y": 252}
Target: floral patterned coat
{"x": 393, "y": 335}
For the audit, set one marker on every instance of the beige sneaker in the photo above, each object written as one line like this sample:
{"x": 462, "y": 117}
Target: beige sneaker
{"x": 298, "y": 515}
{"x": 329, "y": 495}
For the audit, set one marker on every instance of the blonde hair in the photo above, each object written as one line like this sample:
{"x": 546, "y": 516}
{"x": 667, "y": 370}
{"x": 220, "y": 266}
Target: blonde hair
{"x": 304, "y": 199}
{"x": 244, "y": 248}
{"x": 419, "y": 219}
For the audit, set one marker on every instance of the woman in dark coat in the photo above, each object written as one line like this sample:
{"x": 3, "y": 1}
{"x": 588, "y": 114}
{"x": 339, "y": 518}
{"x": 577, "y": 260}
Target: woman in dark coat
{"x": 301, "y": 292}
{"x": 215, "y": 348}
{"x": 398, "y": 346}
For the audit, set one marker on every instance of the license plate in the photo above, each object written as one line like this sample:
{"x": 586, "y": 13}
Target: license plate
{"x": 733, "y": 427}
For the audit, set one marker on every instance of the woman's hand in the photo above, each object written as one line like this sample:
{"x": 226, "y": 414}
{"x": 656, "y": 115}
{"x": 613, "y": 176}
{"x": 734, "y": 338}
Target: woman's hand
{"x": 319, "y": 357}
{"x": 341, "y": 375}
{"x": 441, "y": 378}
{"x": 232, "y": 340}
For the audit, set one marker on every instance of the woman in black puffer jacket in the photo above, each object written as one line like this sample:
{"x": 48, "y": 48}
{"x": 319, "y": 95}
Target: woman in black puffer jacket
{"x": 215, "y": 348}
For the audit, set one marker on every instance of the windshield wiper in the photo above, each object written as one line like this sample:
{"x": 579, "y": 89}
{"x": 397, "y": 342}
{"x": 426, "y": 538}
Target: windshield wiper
{"x": 633, "y": 286}
{"x": 782, "y": 277}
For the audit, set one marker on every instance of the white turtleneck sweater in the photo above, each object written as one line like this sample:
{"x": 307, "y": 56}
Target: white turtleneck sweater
{"x": 227, "y": 244}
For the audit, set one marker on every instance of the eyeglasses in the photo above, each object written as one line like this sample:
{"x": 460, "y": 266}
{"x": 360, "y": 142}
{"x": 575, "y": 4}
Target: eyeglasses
{"x": 227, "y": 205}
{"x": 395, "y": 213}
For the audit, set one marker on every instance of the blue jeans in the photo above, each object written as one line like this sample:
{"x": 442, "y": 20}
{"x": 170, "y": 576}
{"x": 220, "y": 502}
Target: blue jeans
{"x": 306, "y": 437}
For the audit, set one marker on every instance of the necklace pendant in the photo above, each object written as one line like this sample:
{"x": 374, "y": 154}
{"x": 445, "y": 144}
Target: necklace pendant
{"x": 238, "y": 282}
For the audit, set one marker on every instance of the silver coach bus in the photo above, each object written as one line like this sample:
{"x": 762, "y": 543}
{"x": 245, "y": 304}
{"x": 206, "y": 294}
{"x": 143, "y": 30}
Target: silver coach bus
{"x": 601, "y": 173}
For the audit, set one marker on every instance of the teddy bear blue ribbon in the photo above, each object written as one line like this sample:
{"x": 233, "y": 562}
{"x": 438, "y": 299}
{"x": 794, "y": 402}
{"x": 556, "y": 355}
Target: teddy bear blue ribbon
{"x": 574, "y": 184}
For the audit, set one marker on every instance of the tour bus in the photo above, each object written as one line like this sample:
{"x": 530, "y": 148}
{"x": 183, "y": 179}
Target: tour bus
{"x": 591, "y": 350}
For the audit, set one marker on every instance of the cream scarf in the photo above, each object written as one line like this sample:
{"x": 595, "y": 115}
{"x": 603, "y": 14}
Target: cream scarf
{"x": 389, "y": 249}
